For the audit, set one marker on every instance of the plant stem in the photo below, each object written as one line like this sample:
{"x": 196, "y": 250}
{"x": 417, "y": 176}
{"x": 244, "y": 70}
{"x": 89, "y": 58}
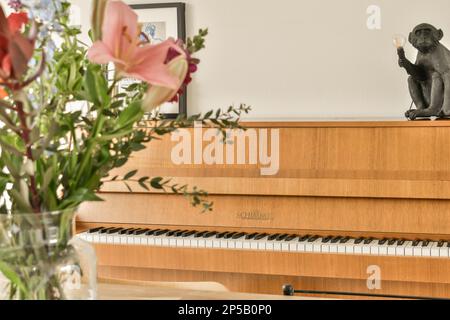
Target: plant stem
{"x": 25, "y": 134}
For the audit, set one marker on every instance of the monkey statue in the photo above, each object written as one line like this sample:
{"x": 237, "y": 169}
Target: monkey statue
{"x": 429, "y": 77}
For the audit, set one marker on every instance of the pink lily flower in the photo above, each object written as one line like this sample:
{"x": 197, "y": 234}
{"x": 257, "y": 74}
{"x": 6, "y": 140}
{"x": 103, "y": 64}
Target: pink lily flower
{"x": 122, "y": 45}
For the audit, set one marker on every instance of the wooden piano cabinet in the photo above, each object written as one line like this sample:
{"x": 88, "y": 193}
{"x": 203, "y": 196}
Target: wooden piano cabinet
{"x": 351, "y": 178}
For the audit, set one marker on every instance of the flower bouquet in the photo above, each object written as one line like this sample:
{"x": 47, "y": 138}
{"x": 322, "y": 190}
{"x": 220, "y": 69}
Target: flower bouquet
{"x": 64, "y": 127}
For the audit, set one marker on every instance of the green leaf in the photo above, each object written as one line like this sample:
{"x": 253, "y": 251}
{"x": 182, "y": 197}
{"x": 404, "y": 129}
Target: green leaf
{"x": 156, "y": 183}
{"x": 130, "y": 115}
{"x": 9, "y": 273}
{"x": 130, "y": 175}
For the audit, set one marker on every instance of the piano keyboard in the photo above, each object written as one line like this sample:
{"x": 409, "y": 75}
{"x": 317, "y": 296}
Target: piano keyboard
{"x": 267, "y": 242}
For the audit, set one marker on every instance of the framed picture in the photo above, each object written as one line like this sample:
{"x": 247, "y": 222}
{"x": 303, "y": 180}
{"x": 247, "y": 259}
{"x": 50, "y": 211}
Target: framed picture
{"x": 161, "y": 21}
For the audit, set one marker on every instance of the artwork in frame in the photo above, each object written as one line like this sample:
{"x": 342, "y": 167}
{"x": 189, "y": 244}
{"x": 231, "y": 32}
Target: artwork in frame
{"x": 159, "y": 22}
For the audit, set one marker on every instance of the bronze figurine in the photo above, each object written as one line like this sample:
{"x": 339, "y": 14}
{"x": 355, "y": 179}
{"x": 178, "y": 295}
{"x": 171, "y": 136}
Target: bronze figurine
{"x": 429, "y": 77}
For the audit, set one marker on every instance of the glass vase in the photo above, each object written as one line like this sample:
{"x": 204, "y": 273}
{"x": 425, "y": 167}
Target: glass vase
{"x": 40, "y": 259}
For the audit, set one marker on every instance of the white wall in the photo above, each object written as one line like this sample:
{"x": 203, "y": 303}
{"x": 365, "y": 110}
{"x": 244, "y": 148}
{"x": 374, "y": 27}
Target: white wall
{"x": 303, "y": 58}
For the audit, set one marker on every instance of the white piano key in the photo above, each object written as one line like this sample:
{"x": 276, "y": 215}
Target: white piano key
{"x": 333, "y": 248}
{"x": 144, "y": 240}
{"x": 158, "y": 241}
{"x": 208, "y": 243}
{"x": 179, "y": 242}
{"x": 375, "y": 249}
{"x": 309, "y": 246}
{"x": 400, "y": 249}
{"x": 216, "y": 243}
{"x": 325, "y": 247}
{"x": 165, "y": 241}
{"x": 254, "y": 245}
{"x": 426, "y": 251}
{"x": 173, "y": 242}
{"x": 246, "y": 245}
{"x": 116, "y": 239}
{"x": 350, "y": 247}
{"x": 103, "y": 238}
{"x": 357, "y": 248}
{"x": 229, "y": 244}
{"x": 151, "y": 240}
{"x": 317, "y": 245}
{"x": 262, "y": 243}
{"x": 341, "y": 248}
{"x": 366, "y": 247}
{"x": 293, "y": 246}
{"x": 224, "y": 244}
{"x": 417, "y": 251}
{"x": 239, "y": 244}
{"x": 269, "y": 245}
{"x": 285, "y": 246}
{"x": 277, "y": 246}
{"x": 435, "y": 250}
{"x": 409, "y": 249}
{"x": 96, "y": 238}
{"x": 391, "y": 250}
{"x": 444, "y": 251}
{"x": 383, "y": 249}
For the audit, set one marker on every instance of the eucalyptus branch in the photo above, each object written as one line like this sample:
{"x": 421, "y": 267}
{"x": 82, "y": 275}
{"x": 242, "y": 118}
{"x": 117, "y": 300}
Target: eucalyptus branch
{"x": 223, "y": 120}
{"x": 197, "y": 196}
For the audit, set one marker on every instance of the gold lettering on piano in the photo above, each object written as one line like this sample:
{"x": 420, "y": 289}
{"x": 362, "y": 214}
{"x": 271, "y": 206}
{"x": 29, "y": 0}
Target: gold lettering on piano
{"x": 255, "y": 215}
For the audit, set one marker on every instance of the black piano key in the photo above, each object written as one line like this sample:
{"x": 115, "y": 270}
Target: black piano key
{"x": 135, "y": 231}
{"x": 345, "y": 240}
{"x": 336, "y": 239}
{"x": 230, "y": 235}
{"x": 95, "y": 230}
{"x": 152, "y": 232}
{"x": 172, "y": 232}
{"x": 441, "y": 243}
{"x": 401, "y": 242}
{"x": 415, "y": 243}
{"x": 304, "y": 238}
{"x": 105, "y": 230}
{"x": 239, "y": 235}
{"x": 180, "y": 233}
{"x": 124, "y": 231}
{"x": 392, "y": 242}
{"x": 261, "y": 236}
{"x": 140, "y": 232}
{"x": 369, "y": 240}
{"x": 130, "y": 231}
{"x": 383, "y": 241}
{"x": 282, "y": 237}
{"x": 425, "y": 243}
{"x": 251, "y": 236}
{"x": 291, "y": 237}
{"x": 327, "y": 239}
{"x": 313, "y": 238}
{"x": 272, "y": 237}
{"x": 189, "y": 233}
{"x": 161, "y": 232}
{"x": 115, "y": 230}
{"x": 200, "y": 234}
{"x": 210, "y": 234}
{"x": 221, "y": 235}
{"x": 359, "y": 240}
{"x": 448, "y": 244}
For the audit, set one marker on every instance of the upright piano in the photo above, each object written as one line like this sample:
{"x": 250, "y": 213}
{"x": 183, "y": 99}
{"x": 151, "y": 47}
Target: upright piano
{"x": 355, "y": 206}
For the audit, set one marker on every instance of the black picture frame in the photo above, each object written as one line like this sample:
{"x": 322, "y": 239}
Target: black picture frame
{"x": 181, "y": 28}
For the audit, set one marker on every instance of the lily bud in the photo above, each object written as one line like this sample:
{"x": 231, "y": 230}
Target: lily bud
{"x": 157, "y": 95}
{"x": 28, "y": 167}
{"x": 98, "y": 14}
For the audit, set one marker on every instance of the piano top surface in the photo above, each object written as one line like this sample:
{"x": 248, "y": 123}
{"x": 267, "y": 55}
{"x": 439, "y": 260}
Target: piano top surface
{"x": 364, "y": 122}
